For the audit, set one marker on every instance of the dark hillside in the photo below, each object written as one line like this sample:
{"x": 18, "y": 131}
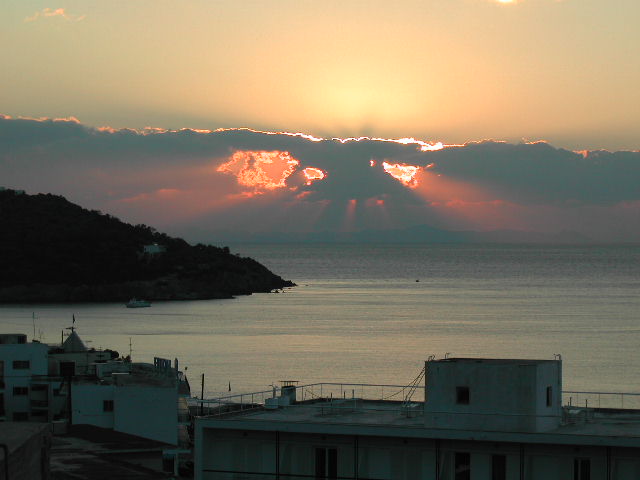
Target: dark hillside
{"x": 54, "y": 250}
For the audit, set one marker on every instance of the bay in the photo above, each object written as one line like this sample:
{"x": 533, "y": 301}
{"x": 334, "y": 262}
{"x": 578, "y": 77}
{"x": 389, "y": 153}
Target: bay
{"x": 374, "y": 313}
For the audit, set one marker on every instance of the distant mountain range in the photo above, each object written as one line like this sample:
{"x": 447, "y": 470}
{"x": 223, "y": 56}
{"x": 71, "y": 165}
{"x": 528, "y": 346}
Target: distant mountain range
{"x": 52, "y": 250}
{"x": 414, "y": 234}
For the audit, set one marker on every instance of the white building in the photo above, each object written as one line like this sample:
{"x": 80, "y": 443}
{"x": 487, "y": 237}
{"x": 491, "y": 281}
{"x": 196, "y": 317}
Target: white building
{"x": 154, "y": 249}
{"x": 482, "y": 419}
{"x": 20, "y": 363}
{"x": 148, "y": 401}
{"x": 70, "y": 383}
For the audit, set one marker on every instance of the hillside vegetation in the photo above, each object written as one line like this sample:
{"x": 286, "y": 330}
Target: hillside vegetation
{"x": 54, "y": 250}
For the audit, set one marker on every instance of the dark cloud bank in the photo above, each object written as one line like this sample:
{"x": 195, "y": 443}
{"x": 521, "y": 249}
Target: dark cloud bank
{"x": 169, "y": 179}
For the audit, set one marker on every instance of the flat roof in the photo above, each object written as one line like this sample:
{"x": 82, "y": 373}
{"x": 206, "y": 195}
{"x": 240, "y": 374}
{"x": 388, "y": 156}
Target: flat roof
{"x": 493, "y": 361}
{"x": 87, "y": 452}
{"x": 16, "y": 434}
{"x": 614, "y": 427}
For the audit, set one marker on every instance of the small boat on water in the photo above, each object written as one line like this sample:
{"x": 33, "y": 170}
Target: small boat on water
{"x": 136, "y": 303}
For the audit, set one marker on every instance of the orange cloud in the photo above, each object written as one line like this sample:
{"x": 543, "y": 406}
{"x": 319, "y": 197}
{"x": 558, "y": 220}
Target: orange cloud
{"x": 58, "y": 12}
{"x": 406, "y": 174}
{"x": 260, "y": 169}
{"x": 312, "y": 174}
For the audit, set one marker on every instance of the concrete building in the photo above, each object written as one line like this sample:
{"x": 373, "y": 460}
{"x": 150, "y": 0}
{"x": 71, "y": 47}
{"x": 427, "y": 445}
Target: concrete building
{"x": 148, "y": 401}
{"x": 71, "y": 384}
{"x": 471, "y": 419}
{"x": 20, "y": 363}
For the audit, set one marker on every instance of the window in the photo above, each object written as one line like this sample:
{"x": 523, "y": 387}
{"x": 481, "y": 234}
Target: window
{"x": 21, "y": 364}
{"x": 581, "y": 469}
{"x": 462, "y": 466}
{"x": 20, "y": 416}
{"x": 107, "y": 406}
{"x": 462, "y": 395}
{"x": 20, "y": 391}
{"x": 498, "y": 467}
{"x": 326, "y": 463}
{"x": 549, "y": 396}
{"x": 67, "y": 369}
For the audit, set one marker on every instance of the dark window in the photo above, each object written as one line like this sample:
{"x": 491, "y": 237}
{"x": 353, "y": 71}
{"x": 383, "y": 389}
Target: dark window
{"x": 67, "y": 369}
{"x": 581, "y": 469}
{"x": 107, "y": 406}
{"x": 498, "y": 467}
{"x": 549, "y": 396}
{"x": 326, "y": 463}
{"x": 20, "y": 416}
{"x": 21, "y": 364}
{"x": 21, "y": 390}
{"x": 332, "y": 463}
{"x": 462, "y": 395}
{"x": 462, "y": 466}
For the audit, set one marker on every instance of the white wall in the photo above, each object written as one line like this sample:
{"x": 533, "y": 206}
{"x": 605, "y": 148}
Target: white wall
{"x": 387, "y": 458}
{"x": 87, "y": 405}
{"x": 503, "y": 395}
{"x": 36, "y": 354}
{"x": 147, "y": 411}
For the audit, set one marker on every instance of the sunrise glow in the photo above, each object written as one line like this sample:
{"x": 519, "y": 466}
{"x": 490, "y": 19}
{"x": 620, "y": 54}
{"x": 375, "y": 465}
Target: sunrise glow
{"x": 312, "y": 174}
{"x": 260, "y": 169}
{"x": 406, "y": 174}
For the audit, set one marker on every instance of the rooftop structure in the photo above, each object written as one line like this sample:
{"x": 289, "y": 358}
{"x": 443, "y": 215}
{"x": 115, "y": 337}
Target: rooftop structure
{"x": 482, "y": 418}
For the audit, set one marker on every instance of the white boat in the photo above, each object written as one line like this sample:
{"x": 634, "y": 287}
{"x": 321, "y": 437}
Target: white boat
{"x": 136, "y": 303}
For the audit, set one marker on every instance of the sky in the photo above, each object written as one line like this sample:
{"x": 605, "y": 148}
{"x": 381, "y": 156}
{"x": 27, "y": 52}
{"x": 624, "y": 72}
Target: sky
{"x": 505, "y": 99}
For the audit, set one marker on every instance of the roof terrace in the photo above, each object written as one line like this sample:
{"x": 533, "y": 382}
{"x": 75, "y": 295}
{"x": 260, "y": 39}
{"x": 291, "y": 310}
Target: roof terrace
{"x": 587, "y": 417}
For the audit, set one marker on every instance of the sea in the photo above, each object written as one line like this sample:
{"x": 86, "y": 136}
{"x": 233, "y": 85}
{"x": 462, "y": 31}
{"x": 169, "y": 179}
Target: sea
{"x": 373, "y": 313}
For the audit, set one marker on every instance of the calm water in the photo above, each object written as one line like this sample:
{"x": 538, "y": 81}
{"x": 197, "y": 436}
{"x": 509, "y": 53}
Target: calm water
{"x": 359, "y": 315}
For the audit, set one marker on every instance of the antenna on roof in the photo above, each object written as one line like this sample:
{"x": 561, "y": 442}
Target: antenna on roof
{"x": 73, "y": 324}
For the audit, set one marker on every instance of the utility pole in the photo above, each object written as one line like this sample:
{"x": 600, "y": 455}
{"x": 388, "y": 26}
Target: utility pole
{"x": 202, "y": 395}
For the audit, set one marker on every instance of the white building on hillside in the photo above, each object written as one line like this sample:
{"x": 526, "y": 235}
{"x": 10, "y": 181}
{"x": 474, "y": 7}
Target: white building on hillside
{"x": 154, "y": 249}
{"x": 482, "y": 419}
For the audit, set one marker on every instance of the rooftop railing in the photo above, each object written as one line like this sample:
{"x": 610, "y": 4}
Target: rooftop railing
{"x": 401, "y": 397}
{"x": 315, "y": 391}
{"x": 613, "y": 400}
